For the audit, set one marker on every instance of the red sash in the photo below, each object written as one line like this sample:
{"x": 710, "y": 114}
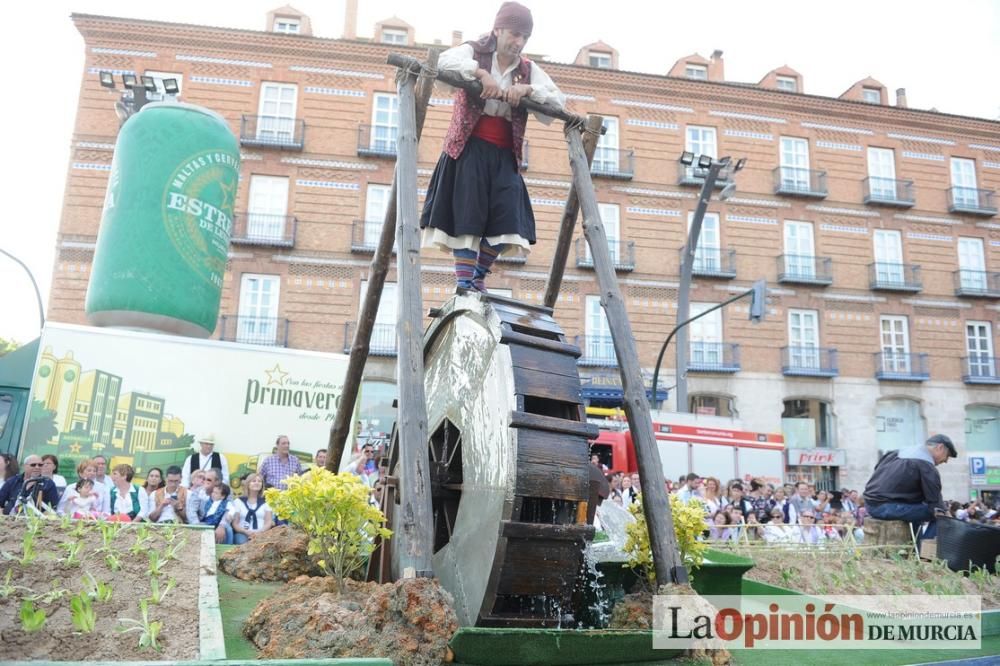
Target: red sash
{"x": 496, "y": 130}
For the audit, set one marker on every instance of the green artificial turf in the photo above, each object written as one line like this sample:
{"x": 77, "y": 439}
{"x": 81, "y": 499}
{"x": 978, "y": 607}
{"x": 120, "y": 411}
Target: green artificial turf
{"x": 238, "y": 598}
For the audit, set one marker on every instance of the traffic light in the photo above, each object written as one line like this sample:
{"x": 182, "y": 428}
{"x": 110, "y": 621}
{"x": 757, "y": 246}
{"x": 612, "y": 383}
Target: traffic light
{"x": 758, "y": 301}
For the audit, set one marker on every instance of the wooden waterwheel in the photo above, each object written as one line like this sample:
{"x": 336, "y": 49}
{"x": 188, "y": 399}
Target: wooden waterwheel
{"x": 509, "y": 460}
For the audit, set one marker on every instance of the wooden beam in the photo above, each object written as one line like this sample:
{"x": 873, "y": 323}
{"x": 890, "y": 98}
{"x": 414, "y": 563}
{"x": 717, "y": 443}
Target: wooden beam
{"x": 369, "y": 308}
{"x": 593, "y": 126}
{"x": 656, "y": 505}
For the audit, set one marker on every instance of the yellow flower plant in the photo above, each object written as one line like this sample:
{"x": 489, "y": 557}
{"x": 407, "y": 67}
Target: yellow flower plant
{"x": 689, "y": 523}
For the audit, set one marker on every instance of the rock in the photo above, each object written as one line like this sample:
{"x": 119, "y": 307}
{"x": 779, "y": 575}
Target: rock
{"x": 409, "y": 621}
{"x": 279, "y": 554}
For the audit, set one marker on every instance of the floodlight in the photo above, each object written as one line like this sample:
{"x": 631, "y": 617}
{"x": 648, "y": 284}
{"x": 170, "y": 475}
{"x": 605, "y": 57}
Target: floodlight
{"x": 724, "y": 161}
{"x": 687, "y": 158}
{"x": 704, "y": 161}
{"x": 107, "y": 79}
{"x": 129, "y": 81}
{"x": 727, "y": 191}
{"x": 758, "y": 301}
{"x": 170, "y": 86}
{"x": 149, "y": 83}
{"x": 740, "y": 163}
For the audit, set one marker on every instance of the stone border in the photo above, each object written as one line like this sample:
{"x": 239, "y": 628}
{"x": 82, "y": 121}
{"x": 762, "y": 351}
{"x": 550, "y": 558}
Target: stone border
{"x": 211, "y": 641}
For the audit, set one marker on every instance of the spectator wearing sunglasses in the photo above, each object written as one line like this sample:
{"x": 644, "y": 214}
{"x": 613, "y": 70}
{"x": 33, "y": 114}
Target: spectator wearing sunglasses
{"x": 29, "y": 489}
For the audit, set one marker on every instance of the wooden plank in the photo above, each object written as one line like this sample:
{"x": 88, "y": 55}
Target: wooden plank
{"x": 517, "y": 530}
{"x": 497, "y": 298}
{"x": 527, "y": 319}
{"x": 508, "y": 336}
{"x": 547, "y": 385}
{"x": 524, "y": 420}
{"x": 531, "y": 358}
{"x": 552, "y": 466}
{"x": 539, "y": 567}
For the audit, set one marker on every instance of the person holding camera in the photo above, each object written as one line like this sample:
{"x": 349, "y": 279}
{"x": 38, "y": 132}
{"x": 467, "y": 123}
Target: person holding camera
{"x": 169, "y": 502}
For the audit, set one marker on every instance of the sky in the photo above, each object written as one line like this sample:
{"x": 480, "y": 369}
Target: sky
{"x": 947, "y": 56}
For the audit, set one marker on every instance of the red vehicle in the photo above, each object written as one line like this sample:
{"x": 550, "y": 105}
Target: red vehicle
{"x": 724, "y": 454}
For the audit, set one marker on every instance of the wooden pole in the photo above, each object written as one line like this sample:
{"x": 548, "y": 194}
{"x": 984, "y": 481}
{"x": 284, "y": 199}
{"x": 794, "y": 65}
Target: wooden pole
{"x": 415, "y": 537}
{"x": 369, "y": 308}
{"x": 655, "y": 503}
{"x": 593, "y": 125}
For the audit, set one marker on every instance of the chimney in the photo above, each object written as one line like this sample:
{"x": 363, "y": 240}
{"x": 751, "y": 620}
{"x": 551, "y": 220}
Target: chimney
{"x": 901, "y": 97}
{"x": 456, "y": 37}
{"x": 715, "y": 68}
{"x": 351, "y": 19}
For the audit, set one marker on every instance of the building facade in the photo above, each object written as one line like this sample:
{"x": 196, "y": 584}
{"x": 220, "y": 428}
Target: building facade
{"x": 874, "y": 224}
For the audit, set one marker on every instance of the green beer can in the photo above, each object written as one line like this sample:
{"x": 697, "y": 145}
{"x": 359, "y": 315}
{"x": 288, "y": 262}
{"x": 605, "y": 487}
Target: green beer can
{"x": 168, "y": 214}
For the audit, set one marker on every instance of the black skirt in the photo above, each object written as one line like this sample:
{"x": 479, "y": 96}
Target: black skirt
{"x": 480, "y": 194}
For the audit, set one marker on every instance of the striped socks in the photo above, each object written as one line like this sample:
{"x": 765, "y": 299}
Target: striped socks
{"x": 465, "y": 267}
{"x": 487, "y": 255}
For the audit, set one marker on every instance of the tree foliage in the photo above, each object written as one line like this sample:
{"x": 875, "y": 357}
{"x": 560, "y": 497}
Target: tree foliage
{"x": 689, "y": 523}
{"x": 8, "y": 345}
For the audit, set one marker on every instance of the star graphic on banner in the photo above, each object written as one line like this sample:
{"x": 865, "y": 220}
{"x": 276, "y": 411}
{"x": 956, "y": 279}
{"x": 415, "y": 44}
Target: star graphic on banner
{"x": 276, "y": 375}
{"x": 74, "y": 448}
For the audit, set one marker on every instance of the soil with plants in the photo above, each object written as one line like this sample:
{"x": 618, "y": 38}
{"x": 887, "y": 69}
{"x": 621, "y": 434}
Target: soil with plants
{"x": 92, "y": 590}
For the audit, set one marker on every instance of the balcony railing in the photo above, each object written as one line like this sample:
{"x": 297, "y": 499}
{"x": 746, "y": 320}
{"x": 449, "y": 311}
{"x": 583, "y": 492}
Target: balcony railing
{"x": 383, "y": 341}
{"x": 797, "y": 182}
{"x": 263, "y": 229}
{"x": 273, "y": 132}
{"x": 809, "y": 361}
{"x": 889, "y": 276}
{"x": 977, "y": 283}
{"x": 888, "y": 192}
{"x": 377, "y": 140}
{"x": 972, "y": 201}
{"x": 714, "y": 357}
{"x": 804, "y": 269}
{"x": 270, "y": 331}
{"x": 981, "y": 369}
{"x": 713, "y": 262}
{"x": 596, "y": 350}
{"x": 902, "y": 367}
{"x": 612, "y": 163}
{"x": 695, "y": 175}
{"x": 365, "y": 235}
{"x": 622, "y": 254}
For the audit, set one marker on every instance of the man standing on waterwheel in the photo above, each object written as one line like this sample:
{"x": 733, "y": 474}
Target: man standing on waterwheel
{"x": 477, "y": 206}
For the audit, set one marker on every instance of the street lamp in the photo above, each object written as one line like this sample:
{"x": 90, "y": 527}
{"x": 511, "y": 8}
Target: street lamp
{"x": 710, "y": 168}
{"x": 38, "y": 294}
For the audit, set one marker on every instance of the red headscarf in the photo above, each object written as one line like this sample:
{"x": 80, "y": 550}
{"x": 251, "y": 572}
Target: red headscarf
{"x": 514, "y": 16}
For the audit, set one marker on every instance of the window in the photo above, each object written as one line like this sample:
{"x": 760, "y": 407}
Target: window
{"x": 895, "y": 344}
{"x": 376, "y": 414}
{"x": 276, "y": 120}
{"x": 712, "y": 405}
{"x": 882, "y": 173}
{"x": 499, "y": 291}
{"x": 706, "y": 336}
{"x": 700, "y": 141}
{"x": 963, "y": 182}
{"x": 385, "y": 123}
{"x": 693, "y": 71}
{"x": 376, "y": 204}
{"x": 807, "y": 424}
{"x": 794, "y": 164}
{"x": 598, "y": 334}
{"x": 267, "y": 209}
{"x": 395, "y": 36}
{"x": 606, "y": 154}
{"x": 610, "y": 218}
{"x": 972, "y": 264}
{"x": 898, "y": 424}
{"x": 803, "y": 339}
{"x": 788, "y": 83}
{"x": 258, "y": 316}
{"x": 6, "y": 407}
{"x": 288, "y": 26}
{"x": 888, "y": 258}
{"x": 708, "y": 251}
{"x": 158, "y": 78}
{"x": 979, "y": 344}
{"x": 871, "y": 95}
{"x": 384, "y": 331}
{"x": 800, "y": 260}
{"x": 600, "y": 60}
{"x": 982, "y": 428}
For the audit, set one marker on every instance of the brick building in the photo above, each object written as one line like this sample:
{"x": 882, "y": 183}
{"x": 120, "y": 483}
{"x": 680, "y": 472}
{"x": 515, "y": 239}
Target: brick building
{"x": 874, "y": 224}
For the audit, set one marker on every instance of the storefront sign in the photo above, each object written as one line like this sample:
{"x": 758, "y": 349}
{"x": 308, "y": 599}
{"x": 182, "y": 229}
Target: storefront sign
{"x": 816, "y": 457}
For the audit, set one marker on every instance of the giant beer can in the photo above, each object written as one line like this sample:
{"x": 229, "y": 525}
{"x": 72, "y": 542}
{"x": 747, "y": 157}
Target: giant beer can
{"x": 168, "y": 214}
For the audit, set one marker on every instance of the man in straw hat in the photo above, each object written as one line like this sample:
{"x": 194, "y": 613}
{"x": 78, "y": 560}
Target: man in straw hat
{"x": 477, "y": 206}
{"x": 207, "y": 458}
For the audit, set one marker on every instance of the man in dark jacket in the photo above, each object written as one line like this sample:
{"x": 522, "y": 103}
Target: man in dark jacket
{"x": 29, "y": 487}
{"x": 906, "y": 485}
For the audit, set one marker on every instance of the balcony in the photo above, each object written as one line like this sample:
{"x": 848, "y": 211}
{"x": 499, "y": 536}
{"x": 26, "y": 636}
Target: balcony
{"x": 888, "y": 192}
{"x": 365, "y": 235}
{"x": 804, "y": 269}
{"x": 979, "y": 284}
{"x": 694, "y": 175}
{"x": 382, "y": 343}
{"x": 981, "y": 369}
{"x": 273, "y": 132}
{"x": 622, "y": 254}
{"x": 971, "y": 201}
{"x": 377, "y": 141}
{"x": 523, "y": 166}
{"x": 714, "y": 357}
{"x": 612, "y": 163}
{"x": 809, "y": 361}
{"x": 267, "y": 331}
{"x": 713, "y": 262}
{"x": 796, "y": 182}
{"x": 901, "y": 367}
{"x": 888, "y": 276}
{"x": 596, "y": 350}
{"x": 263, "y": 229}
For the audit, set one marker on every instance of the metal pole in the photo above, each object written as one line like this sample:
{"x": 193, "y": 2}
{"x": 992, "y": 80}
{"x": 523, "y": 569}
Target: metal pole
{"x": 684, "y": 290}
{"x": 38, "y": 294}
